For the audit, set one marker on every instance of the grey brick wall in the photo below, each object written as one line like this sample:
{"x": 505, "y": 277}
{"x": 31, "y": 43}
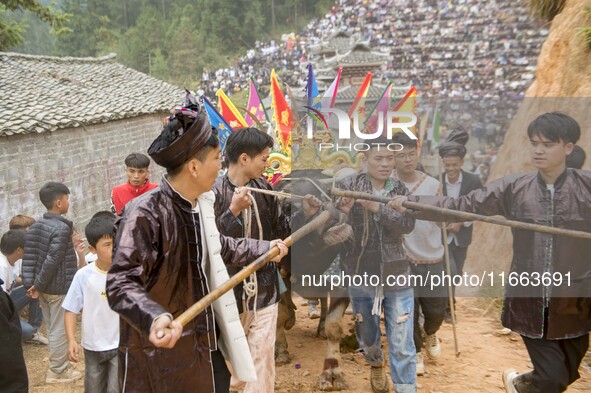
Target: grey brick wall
{"x": 89, "y": 160}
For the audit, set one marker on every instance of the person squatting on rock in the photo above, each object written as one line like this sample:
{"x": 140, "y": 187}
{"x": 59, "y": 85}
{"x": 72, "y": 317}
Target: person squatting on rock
{"x": 168, "y": 254}
{"x": 553, "y": 320}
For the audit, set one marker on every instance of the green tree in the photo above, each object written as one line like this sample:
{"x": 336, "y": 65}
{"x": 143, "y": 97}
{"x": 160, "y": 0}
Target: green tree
{"x": 11, "y": 32}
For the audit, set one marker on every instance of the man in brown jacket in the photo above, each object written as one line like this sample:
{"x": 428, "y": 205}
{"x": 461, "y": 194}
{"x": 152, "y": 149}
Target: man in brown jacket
{"x": 168, "y": 255}
{"x": 553, "y": 312}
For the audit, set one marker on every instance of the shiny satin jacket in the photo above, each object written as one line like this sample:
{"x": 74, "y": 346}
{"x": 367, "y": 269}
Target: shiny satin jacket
{"x": 275, "y": 225}
{"x": 384, "y": 253}
{"x": 156, "y": 269}
{"x": 525, "y": 197}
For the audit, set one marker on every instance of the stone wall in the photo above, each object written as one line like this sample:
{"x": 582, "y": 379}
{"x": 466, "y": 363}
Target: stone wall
{"x": 89, "y": 160}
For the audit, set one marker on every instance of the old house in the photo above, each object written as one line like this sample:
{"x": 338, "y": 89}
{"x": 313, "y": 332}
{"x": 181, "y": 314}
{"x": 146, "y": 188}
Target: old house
{"x": 73, "y": 120}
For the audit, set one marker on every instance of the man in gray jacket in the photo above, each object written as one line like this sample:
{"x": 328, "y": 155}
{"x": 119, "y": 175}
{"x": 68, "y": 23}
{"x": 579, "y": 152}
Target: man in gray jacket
{"x": 49, "y": 265}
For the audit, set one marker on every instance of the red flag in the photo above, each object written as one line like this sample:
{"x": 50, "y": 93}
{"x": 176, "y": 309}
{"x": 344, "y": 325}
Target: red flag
{"x": 282, "y": 115}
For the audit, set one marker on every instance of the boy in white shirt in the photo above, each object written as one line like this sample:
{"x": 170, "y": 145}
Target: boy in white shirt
{"x": 100, "y": 324}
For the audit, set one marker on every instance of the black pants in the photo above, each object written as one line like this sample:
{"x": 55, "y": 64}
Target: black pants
{"x": 556, "y": 364}
{"x": 221, "y": 374}
{"x": 13, "y": 371}
{"x": 430, "y": 301}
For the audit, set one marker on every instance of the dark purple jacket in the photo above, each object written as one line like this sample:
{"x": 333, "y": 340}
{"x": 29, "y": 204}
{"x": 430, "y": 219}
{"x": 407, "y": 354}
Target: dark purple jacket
{"x": 525, "y": 197}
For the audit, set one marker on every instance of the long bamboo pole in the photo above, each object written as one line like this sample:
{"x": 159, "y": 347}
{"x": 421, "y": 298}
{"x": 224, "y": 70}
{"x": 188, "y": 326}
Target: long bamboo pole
{"x": 261, "y": 261}
{"x": 450, "y": 290}
{"x": 465, "y": 216}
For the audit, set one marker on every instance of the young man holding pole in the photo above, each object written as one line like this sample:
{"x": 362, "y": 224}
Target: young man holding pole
{"x": 238, "y": 214}
{"x": 425, "y": 252}
{"x": 377, "y": 252}
{"x": 167, "y": 253}
{"x": 552, "y": 313}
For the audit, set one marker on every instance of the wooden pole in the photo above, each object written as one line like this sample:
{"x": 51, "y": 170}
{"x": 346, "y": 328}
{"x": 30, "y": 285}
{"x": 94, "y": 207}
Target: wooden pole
{"x": 261, "y": 261}
{"x": 465, "y": 216}
{"x": 450, "y": 291}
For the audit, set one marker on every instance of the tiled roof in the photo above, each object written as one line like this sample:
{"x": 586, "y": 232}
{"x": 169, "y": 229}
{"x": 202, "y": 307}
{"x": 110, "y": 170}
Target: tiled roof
{"x": 43, "y": 93}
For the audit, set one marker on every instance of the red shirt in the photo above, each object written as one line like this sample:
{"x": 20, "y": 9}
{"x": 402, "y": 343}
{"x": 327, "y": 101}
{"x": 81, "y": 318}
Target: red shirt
{"x": 124, "y": 193}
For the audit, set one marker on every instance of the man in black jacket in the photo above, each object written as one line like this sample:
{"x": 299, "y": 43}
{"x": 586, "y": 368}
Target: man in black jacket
{"x": 49, "y": 265}
{"x": 457, "y": 182}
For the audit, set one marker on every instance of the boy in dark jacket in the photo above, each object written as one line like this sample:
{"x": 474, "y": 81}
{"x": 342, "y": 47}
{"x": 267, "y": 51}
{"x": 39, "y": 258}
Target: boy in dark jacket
{"x": 49, "y": 265}
{"x": 553, "y": 312}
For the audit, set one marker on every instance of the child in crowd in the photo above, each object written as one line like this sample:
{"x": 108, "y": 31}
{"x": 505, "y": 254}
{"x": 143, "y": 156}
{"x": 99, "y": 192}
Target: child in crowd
{"x": 100, "y": 324}
{"x": 49, "y": 265}
{"x": 12, "y": 249}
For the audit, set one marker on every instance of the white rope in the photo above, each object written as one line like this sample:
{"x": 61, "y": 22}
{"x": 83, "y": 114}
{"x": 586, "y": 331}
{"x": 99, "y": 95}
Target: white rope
{"x": 250, "y": 284}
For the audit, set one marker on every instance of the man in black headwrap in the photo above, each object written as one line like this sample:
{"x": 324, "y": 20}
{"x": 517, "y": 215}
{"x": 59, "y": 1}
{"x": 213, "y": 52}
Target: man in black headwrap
{"x": 457, "y": 182}
{"x": 167, "y": 255}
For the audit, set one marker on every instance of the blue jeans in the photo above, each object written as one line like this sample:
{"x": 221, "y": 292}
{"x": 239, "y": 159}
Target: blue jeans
{"x": 21, "y": 300}
{"x": 399, "y": 315}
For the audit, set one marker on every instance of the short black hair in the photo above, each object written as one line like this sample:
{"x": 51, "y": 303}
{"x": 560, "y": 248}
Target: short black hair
{"x": 201, "y": 154}
{"x": 104, "y": 213}
{"x": 251, "y": 141}
{"x": 576, "y": 159}
{"x": 12, "y": 240}
{"x": 51, "y": 192}
{"x": 555, "y": 126}
{"x": 100, "y": 226}
{"x": 137, "y": 160}
{"x": 404, "y": 140}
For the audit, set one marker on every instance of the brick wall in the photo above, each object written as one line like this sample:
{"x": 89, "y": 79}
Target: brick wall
{"x": 89, "y": 160}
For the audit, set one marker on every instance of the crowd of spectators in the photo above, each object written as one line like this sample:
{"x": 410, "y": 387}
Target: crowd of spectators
{"x": 462, "y": 51}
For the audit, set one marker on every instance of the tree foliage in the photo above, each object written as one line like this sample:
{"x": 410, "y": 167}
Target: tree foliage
{"x": 171, "y": 39}
{"x": 12, "y": 30}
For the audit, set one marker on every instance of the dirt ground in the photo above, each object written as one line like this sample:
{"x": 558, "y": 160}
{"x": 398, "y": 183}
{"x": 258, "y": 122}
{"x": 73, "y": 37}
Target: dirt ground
{"x": 484, "y": 354}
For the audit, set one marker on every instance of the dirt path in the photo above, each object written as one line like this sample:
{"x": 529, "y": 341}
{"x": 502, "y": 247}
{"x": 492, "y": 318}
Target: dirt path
{"x": 484, "y": 355}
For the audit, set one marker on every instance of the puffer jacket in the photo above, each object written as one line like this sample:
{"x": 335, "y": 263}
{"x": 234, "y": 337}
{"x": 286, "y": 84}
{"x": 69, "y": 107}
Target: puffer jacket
{"x": 383, "y": 253}
{"x": 525, "y": 197}
{"x": 157, "y": 268}
{"x": 275, "y": 225}
{"x": 50, "y": 260}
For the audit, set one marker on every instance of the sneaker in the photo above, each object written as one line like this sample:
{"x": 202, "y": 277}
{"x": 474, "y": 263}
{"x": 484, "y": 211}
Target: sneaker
{"x": 508, "y": 380}
{"x": 420, "y": 364}
{"x": 66, "y": 376}
{"x": 378, "y": 379}
{"x": 39, "y": 338}
{"x": 313, "y": 312}
{"x": 432, "y": 345}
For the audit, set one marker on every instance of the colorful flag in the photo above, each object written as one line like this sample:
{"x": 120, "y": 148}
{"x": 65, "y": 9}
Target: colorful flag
{"x": 282, "y": 115}
{"x": 255, "y": 107}
{"x": 407, "y": 104}
{"x": 329, "y": 97}
{"x": 312, "y": 89}
{"x": 217, "y": 121}
{"x": 229, "y": 111}
{"x": 359, "y": 103}
{"x": 380, "y": 109}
